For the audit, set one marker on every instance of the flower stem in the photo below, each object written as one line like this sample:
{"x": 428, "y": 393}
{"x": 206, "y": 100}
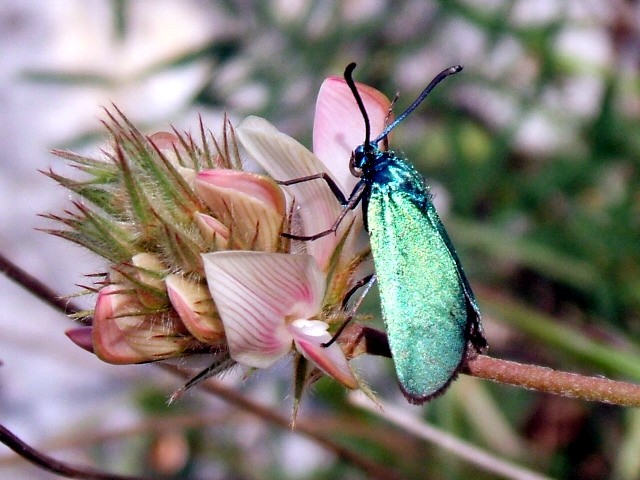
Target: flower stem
{"x": 483, "y": 459}
{"x": 374, "y": 342}
{"x": 534, "y": 377}
{"x": 36, "y": 287}
{"x": 52, "y": 465}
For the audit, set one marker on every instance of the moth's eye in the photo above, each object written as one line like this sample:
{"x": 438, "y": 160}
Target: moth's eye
{"x": 355, "y": 170}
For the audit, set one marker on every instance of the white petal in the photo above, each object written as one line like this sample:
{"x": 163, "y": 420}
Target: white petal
{"x": 309, "y": 336}
{"x": 284, "y": 159}
{"x": 255, "y": 292}
{"x": 311, "y": 327}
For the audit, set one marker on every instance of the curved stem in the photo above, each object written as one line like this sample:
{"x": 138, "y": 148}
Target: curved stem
{"x": 51, "y": 464}
{"x": 547, "y": 380}
{"x": 487, "y": 461}
{"x": 36, "y": 287}
{"x": 532, "y": 377}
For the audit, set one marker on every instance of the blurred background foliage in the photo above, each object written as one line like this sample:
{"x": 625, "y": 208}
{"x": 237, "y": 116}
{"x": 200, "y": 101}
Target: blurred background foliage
{"x": 532, "y": 154}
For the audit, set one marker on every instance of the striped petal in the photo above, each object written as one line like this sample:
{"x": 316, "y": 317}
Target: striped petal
{"x": 255, "y": 293}
{"x": 339, "y": 127}
{"x": 284, "y": 158}
{"x": 251, "y": 205}
{"x": 309, "y": 335}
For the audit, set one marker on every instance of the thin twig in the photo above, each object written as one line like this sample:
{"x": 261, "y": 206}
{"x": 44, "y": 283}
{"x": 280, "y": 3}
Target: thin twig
{"x": 547, "y": 380}
{"x": 89, "y": 437}
{"x": 372, "y": 469}
{"x": 488, "y": 462}
{"x": 531, "y": 377}
{"x": 36, "y": 287}
{"x": 502, "y": 371}
{"x": 51, "y": 464}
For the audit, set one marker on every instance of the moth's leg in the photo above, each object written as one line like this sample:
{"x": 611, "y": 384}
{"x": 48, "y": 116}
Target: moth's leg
{"x": 335, "y": 189}
{"x": 350, "y": 204}
{"x": 366, "y": 282}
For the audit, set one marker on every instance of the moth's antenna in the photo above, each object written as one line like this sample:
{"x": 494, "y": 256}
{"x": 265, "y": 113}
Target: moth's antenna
{"x": 352, "y": 85}
{"x": 441, "y": 76}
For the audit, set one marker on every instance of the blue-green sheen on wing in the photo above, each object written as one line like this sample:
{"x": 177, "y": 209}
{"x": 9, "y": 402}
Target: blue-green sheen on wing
{"x": 422, "y": 290}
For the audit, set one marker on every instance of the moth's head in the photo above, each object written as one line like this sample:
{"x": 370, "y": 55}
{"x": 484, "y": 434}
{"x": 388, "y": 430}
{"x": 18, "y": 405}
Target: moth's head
{"x": 361, "y": 157}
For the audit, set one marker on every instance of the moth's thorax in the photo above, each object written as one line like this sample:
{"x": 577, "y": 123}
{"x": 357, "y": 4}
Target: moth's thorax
{"x": 384, "y": 170}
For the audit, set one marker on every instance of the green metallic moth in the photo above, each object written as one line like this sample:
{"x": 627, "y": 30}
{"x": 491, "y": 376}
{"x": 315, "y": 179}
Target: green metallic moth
{"x": 429, "y": 309}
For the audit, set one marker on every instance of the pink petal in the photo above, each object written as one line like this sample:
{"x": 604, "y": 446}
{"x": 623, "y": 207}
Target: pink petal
{"x": 213, "y": 231}
{"x": 166, "y": 141}
{"x": 339, "y": 127}
{"x": 195, "y": 308}
{"x": 284, "y": 158}
{"x": 256, "y": 186}
{"x": 251, "y": 205}
{"x": 255, "y": 293}
{"x": 81, "y": 336}
{"x": 121, "y": 336}
{"x": 309, "y": 335}
{"x": 109, "y": 342}
{"x": 169, "y": 143}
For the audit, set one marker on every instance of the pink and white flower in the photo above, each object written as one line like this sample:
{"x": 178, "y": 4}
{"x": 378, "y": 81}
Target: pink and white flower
{"x": 198, "y": 260}
{"x": 270, "y": 303}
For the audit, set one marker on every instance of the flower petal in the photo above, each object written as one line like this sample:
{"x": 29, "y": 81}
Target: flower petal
{"x": 284, "y": 159}
{"x": 121, "y": 335}
{"x": 213, "y": 231}
{"x": 309, "y": 335}
{"x": 81, "y": 336}
{"x": 339, "y": 127}
{"x": 251, "y": 205}
{"x": 255, "y": 293}
{"x": 166, "y": 141}
{"x": 195, "y": 308}
{"x": 256, "y": 186}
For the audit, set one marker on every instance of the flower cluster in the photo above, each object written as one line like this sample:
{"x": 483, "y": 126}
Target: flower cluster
{"x": 197, "y": 260}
